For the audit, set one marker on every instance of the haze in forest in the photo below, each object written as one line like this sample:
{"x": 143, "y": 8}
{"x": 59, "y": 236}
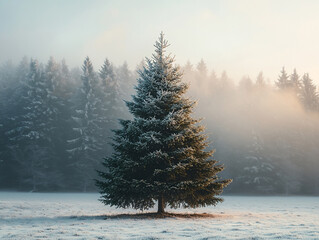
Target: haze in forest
{"x": 251, "y": 65}
{"x": 243, "y": 37}
{"x": 265, "y": 134}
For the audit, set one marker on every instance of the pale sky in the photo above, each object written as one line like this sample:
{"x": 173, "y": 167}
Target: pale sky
{"x": 242, "y": 37}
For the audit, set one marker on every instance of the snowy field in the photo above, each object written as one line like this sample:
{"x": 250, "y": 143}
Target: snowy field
{"x": 81, "y": 216}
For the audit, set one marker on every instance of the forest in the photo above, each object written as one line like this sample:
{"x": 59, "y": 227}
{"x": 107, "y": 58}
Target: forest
{"x": 56, "y": 125}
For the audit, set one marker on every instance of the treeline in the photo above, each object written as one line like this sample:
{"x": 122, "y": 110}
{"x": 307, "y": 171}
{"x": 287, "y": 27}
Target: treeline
{"x": 55, "y": 125}
{"x": 265, "y": 133}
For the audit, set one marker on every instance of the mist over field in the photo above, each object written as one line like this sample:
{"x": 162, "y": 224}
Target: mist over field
{"x": 256, "y": 90}
{"x": 265, "y": 135}
{"x": 137, "y": 119}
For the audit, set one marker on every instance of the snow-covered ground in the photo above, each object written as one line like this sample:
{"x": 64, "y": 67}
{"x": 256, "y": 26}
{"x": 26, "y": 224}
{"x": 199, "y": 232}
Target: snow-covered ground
{"x": 80, "y": 216}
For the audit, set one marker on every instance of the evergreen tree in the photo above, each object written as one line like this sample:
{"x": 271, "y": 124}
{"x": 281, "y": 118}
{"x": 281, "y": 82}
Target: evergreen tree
{"x": 190, "y": 75}
{"x": 108, "y": 113}
{"x": 85, "y": 146}
{"x": 112, "y": 92}
{"x": 52, "y": 83}
{"x": 7, "y": 84}
{"x": 159, "y": 155}
{"x": 11, "y": 117}
{"x": 107, "y": 73}
{"x": 259, "y": 174}
{"x": 309, "y": 95}
{"x": 246, "y": 83}
{"x": 28, "y": 136}
{"x": 6, "y": 77}
{"x": 202, "y": 68}
{"x": 188, "y": 68}
{"x": 295, "y": 82}
{"x": 283, "y": 80}
{"x": 126, "y": 82}
{"x": 213, "y": 79}
{"x": 260, "y": 81}
{"x": 55, "y": 119}
{"x": 201, "y": 74}
{"x": 225, "y": 84}
{"x": 212, "y": 85}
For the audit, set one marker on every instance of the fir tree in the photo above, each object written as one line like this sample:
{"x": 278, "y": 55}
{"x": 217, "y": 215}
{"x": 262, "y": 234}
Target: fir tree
{"x": 225, "y": 83}
{"x": 212, "y": 85}
{"x": 283, "y": 80}
{"x": 160, "y": 154}
{"x": 12, "y": 122}
{"x": 202, "y": 68}
{"x": 126, "y": 82}
{"x": 259, "y": 175}
{"x": 201, "y": 74}
{"x": 55, "y": 118}
{"x": 188, "y": 68}
{"x": 309, "y": 95}
{"x": 85, "y": 146}
{"x": 246, "y": 83}
{"x": 28, "y": 136}
{"x": 295, "y": 82}
{"x": 108, "y": 113}
{"x": 260, "y": 81}
{"x": 111, "y": 89}
{"x": 5, "y": 79}
{"x": 189, "y": 75}
{"x": 213, "y": 79}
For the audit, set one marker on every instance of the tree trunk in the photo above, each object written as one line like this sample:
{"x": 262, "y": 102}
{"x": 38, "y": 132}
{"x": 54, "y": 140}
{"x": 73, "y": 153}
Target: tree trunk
{"x": 161, "y": 204}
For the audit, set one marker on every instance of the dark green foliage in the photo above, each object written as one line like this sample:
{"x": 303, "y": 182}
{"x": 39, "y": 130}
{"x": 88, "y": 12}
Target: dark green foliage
{"x": 160, "y": 154}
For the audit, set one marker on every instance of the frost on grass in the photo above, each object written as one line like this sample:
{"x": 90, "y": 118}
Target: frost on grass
{"x": 81, "y": 216}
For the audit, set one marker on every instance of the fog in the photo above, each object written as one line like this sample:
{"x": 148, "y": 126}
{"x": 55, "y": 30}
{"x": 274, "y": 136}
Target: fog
{"x": 262, "y": 119}
{"x": 243, "y": 37}
{"x": 266, "y": 136}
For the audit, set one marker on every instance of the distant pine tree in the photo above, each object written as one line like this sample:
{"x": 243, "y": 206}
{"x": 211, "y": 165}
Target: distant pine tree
{"x": 201, "y": 75}
{"x": 283, "y": 80}
{"x": 126, "y": 82}
{"x": 86, "y": 145}
{"x": 213, "y": 79}
{"x": 260, "y": 81}
{"x": 224, "y": 81}
{"x": 188, "y": 68}
{"x": 112, "y": 98}
{"x": 28, "y": 136}
{"x": 202, "y": 68}
{"x": 56, "y": 119}
{"x": 7, "y": 82}
{"x": 309, "y": 96}
{"x": 108, "y": 107}
{"x": 14, "y": 104}
{"x": 259, "y": 173}
{"x": 246, "y": 83}
{"x": 295, "y": 82}
{"x": 159, "y": 155}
